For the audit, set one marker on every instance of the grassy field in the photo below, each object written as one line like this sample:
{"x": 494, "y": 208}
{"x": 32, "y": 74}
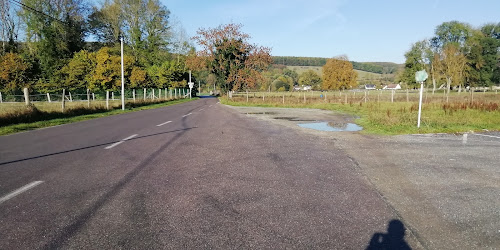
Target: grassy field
{"x": 363, "y": 76}
{"x": 17, "y": 117}
{"x": 382, "y": 113}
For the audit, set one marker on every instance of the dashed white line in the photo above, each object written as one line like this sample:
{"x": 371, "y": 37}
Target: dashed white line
{"x": 186, "y": 115}
{"x": 488, "y": 136}
{"x": 120, "y": 142}
{"x": 159, "y": 125}
{"x": 201, "y": 109}
{"x": 20, "y": 190}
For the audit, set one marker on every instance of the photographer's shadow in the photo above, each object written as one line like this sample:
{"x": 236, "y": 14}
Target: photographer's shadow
{"x": 393, "y": 239}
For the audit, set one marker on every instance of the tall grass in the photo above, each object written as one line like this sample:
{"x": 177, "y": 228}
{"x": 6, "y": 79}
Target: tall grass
{"x": 455, "y": 114}
{"x": 20, "y": 117}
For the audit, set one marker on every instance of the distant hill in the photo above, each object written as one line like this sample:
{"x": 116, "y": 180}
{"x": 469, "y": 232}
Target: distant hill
{"x": 364, "y": 77}
{"x": 374, "y": 67}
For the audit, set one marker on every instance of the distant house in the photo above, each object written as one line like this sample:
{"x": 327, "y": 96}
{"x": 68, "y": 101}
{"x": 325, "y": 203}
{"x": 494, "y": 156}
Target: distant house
{"x": 296, "y": 88}
{"x": 370, "y": 86}
{"x": 306, "y": 87}
{"x": 392, "y": 86}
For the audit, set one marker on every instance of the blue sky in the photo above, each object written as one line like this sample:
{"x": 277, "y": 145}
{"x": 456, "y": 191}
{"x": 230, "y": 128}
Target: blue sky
{"x": 371, "y": 30}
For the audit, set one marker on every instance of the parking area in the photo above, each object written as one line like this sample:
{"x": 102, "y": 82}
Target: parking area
{"x": 445, "y": 187}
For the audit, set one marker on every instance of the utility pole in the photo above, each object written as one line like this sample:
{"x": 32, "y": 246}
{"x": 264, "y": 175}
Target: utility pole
{"x": 123, "y": 76}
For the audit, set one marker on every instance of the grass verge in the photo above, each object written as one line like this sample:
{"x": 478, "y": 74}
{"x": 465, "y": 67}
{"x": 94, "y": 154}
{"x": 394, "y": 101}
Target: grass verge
{"x": 29, "y": 118}
{"x": 385, "y": 118}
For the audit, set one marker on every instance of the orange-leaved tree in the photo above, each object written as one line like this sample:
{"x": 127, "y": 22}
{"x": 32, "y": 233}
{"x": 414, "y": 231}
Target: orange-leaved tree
{"x": 228, "y": 55}
{"x": 338, "y": 73}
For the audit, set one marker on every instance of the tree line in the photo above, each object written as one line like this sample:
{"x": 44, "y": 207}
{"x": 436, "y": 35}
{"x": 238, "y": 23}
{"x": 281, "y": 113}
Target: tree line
{"x": 374, "y": 67}
{"x": 45, "y": 45}
{"x": 458, "y": 55}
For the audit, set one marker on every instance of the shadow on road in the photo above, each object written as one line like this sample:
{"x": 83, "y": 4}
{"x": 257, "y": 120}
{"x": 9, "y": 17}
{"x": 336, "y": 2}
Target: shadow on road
{"x": 93, "y": 146}
{"x": 392, "y": 240}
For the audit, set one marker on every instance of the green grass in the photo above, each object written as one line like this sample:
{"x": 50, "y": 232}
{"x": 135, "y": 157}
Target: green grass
{"x": 400, "y": 117}
{"x": 46, "y": 115}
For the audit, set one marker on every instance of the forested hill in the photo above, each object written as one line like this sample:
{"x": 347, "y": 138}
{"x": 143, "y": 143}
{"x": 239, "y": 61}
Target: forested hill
{"x": 375, "y": 67}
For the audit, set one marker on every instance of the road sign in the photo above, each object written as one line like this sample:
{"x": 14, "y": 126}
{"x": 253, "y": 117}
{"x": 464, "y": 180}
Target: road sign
{"x": 421, "y": 76}
{"x": 191, "y": 84}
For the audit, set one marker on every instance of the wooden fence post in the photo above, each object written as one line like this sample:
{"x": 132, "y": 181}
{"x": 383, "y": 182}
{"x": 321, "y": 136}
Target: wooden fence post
{"x": 63, "y": 101}
{"x": 107, "y": 99}
{"x": 153, "y": 94}
{"x": 112, "y": 95}
{"x": 70, "y": 97}
{"x": 283, "y": 98}
{"x": 88, "y": 98}
{"x": 26, "y": 96}
{"x": 392, "y": 95}
{"x": 144, "y": 94}
{"x": 48, "y": 97}
{"x": 365, "y": 96}
{"x": 1, "y": 100}
{"x": 247, "y": 95}
{"x": 93, "y": 96}
{"x": 407, "y": 96}
{"x": 159, "y": 93}
{"x": 133, "y": 94}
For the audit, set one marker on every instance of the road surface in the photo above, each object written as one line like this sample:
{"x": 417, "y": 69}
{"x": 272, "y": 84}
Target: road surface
{"x": 189, "y": 176}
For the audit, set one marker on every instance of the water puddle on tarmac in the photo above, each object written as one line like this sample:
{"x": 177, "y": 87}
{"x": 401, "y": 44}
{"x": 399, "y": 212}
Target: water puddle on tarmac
{"x": 329, "y": 126}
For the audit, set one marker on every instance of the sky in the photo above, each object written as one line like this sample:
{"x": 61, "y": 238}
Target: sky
{"x": 364, "y": 30}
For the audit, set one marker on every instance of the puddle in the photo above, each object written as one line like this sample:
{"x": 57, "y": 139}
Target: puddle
{"x": 328, "y": 126}
{"x": 295, "y": 119}
{"x": 261, "y": 113}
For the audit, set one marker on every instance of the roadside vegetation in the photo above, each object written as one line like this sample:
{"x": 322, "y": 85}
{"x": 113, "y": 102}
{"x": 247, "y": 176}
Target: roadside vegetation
{"x": 18, "y": 117}
{"x": 383, "y": 113}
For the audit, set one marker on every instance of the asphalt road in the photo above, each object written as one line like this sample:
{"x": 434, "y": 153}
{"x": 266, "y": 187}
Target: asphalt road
{"x": 190, "y": 176}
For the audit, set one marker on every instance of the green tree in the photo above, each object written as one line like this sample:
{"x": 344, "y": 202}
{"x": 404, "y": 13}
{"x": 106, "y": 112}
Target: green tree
{"x": 415, "y": 61}
{"x": 292, "y": 74}
{"x": 283, "y": 83}
{"x": 56, "y": 34}
{"x": 338, "y": 73}
{"x": 310, "y": 78}
{"x": 78, "y": 72}
{"x": 490, "y": 44}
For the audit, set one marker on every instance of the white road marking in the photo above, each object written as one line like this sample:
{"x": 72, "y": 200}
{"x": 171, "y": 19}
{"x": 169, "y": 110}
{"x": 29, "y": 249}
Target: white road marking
{"x": 201, "y": 109}
{"x": 20, "y": 190}
{"x": 159, "y": 125}
{"x": 120, "y": 142}
{"x": 487, "y": 136}
{"x": 186, "y": 115}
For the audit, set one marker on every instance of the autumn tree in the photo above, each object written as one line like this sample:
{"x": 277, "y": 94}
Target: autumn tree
{"x": 310, "y": 78}
{"x": 12, "y": 72}
{"x": 338, "y": 73}
{"x": 228, "y": 55}
{"x": 451, "y": 65}
{"x": 107, "y": 73}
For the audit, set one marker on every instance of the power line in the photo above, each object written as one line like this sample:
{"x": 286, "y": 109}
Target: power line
{"x": 36, "y": 11}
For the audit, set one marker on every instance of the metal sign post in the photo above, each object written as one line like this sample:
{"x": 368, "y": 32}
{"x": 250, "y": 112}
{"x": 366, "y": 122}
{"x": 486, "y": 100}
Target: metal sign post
{"x": 191, "y": 85}
{"x": 420, "y": 77}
